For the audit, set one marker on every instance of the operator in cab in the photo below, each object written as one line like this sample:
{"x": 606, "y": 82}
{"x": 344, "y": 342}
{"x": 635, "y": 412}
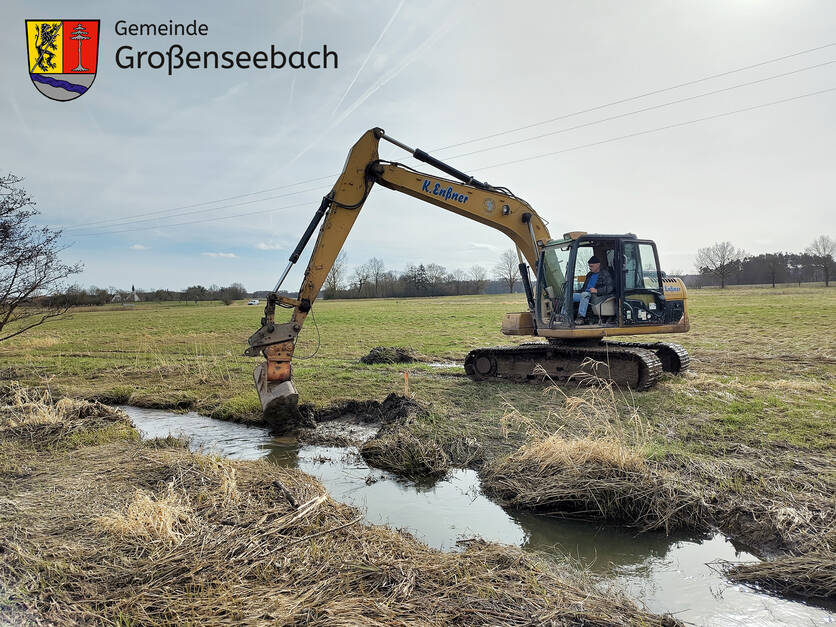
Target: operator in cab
{"x": 596, "y": 288}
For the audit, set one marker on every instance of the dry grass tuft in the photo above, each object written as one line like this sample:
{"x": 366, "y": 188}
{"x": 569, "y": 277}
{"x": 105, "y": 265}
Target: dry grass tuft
{"x": 812, "y": 576}
{"x": 166, "y": 518}
{"x": 603, "y": 473}
{"x": 32, "y": 417}
{"x": 557, "y": 452}
{"x": 598, "y": 410}
{"x": 389, "y": 355}
{"x": 600, "y": 479}
{"x": 403, "y": 453}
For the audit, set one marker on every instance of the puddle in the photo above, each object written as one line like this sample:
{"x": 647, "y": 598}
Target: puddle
{"x": 665, "y": 573}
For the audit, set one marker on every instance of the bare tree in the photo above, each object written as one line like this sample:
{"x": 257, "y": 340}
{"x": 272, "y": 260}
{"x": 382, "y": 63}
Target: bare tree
{"x": 458, "y": 277}
{"x": 721, "y": 260}
{"x": 773, "y": 264}
{"x": 823, "y": 248}
{"x": 479, "y": 276}
{"x": 335, "y": 276}
{"x": 507, "y": 269}
{"x": 436, "y": 274}
{"x": 30, "y": 268}
{"x": 376, "y": 270}
{"x": 361, "y": 277}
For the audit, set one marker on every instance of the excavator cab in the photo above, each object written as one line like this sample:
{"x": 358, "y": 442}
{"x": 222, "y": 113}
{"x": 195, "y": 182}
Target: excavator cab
{"x": 638, "y": 296}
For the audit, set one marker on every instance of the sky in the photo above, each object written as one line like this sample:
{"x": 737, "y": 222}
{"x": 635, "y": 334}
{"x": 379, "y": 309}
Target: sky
{"x": 137, "y": 171}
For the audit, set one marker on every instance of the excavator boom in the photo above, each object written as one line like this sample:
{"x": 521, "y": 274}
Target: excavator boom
{"x": 339, "y": 209}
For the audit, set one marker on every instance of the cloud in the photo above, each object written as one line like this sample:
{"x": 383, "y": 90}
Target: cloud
{"x": 483, "y": 246}
{"x": 222, "y": 255}
{"x": 270, "y": 246}
{"x": 140, "y": 247}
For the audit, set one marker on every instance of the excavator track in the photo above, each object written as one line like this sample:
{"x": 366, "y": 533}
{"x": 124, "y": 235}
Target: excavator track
{"x": 675, "y": 359}
{"x": 634, "y": 367}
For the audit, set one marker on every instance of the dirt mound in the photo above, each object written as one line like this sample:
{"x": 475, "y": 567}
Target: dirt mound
{"x": 307, "y": 420}
{"x": 389, "y": 355}
{"x": 395, "y": 408}
{"x": 352, "y": 422}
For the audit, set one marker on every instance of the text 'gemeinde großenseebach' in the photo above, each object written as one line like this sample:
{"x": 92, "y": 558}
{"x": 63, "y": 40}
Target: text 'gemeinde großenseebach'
{"x": 176, "y": 57}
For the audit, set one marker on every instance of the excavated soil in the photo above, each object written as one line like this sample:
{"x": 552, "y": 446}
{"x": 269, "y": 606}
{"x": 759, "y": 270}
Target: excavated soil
{"x": 381, "y": 431}
{"x": 389, "y": 355}
{"x": 352, "y": 422}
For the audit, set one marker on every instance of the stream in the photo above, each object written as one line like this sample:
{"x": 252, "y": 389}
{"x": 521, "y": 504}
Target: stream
{"x": 664, "y": 573}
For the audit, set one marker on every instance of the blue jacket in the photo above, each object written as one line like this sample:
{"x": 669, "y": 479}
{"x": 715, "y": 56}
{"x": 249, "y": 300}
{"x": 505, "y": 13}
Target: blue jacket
{"x": 604, "y": 285}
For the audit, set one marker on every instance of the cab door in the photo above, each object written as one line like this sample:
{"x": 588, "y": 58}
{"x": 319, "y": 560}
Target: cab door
{"x": 641, "y": 279}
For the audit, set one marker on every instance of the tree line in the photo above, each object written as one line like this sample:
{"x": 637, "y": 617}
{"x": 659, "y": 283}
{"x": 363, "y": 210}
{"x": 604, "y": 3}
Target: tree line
{"x": 76, "y": 295}
{"x": 724, "y": 264}
{"x": 373, "y": 280}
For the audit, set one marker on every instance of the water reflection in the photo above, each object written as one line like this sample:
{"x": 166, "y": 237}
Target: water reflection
{"x": 597, "y": 546}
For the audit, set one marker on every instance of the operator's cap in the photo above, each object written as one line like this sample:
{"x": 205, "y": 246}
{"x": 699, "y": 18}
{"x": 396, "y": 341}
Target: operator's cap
{"x": 593, "y": 259}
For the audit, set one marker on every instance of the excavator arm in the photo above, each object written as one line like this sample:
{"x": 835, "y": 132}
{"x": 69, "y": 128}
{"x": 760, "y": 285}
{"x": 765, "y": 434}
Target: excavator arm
{"x": 468, "y": 197}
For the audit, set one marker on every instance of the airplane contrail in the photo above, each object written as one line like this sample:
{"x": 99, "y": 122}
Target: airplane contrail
{"x": 380, "y": 82}
{"x": 369, "y": 56}
{"x": 299, "y": 47}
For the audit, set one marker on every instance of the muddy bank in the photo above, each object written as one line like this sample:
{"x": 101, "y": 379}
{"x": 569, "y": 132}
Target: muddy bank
{"x": 128, "y": 532}
{"x": 385, "y": 433}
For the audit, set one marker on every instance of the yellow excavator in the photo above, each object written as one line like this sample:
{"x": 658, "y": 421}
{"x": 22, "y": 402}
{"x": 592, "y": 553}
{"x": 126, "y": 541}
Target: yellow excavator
{"x": 643, "y": 299}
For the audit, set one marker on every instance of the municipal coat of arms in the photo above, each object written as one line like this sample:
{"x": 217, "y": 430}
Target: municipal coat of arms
{"x": 63, "y": 55}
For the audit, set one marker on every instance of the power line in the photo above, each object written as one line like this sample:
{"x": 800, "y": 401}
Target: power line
{"x": 656, "y": 130}
{"x": 201, "y": 204}
{"x": 124, "y": 221}
{"x": 643, "y": 110}
{"x": 164, "y": 226}
{"x": 514, "y": 161}
{"x": 106, "y": 223}
{"x": 631, "y": 98}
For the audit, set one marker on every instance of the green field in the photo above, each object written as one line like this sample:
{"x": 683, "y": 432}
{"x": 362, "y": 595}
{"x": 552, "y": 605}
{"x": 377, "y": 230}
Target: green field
{"x": 762, "y": 375}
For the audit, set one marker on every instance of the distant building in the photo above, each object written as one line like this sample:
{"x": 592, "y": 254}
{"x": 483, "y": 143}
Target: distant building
{"x": 122, "y": 297}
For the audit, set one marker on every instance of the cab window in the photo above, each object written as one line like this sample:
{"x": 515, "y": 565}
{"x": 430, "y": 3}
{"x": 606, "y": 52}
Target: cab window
{"x": 640, "y": 269}
{"x": 555, "y": 262}
{"x": 650, "y": 271}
